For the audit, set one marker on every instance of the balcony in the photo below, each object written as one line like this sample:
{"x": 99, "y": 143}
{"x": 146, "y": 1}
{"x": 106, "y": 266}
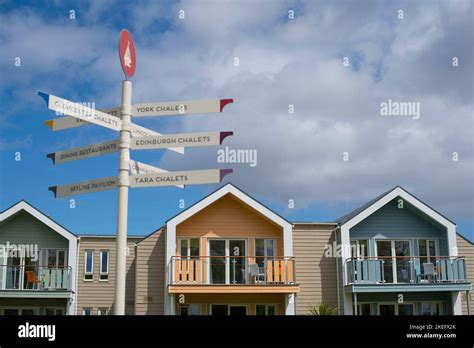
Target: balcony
{"x": 34, "y": 278}
{"x": 447, "y": 273}
{"x": 242, "y": 274}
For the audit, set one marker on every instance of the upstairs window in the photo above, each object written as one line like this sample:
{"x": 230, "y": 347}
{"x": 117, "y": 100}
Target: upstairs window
{"x": 359, "y": 248}
{"x": 104, "y": 265}
{"x": 189, "y": 247}
{"x": 88, "y": 264}
{"x": 427, "y": 251}
{"x": 264, "y": 248}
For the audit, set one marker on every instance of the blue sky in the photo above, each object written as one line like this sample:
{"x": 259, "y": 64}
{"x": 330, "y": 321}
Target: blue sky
{"x": 282, "y": 61}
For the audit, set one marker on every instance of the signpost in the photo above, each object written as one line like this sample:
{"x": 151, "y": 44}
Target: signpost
{"x": 84, "y": 187}
{"x": 84, "y": 152}
{"x": 177, "y": 140}
{"x": 149, "y": 109}
{"x": 143, "y": 168}
{"x": 210, "y": 176}
{"x": 132, "y": 136}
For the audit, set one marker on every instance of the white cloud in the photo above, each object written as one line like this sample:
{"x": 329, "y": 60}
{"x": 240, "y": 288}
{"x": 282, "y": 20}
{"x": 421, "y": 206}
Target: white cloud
{"x": 293, "y": 62}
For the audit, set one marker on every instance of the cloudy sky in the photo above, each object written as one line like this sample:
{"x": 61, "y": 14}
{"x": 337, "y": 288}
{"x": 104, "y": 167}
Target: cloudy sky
{"x": 282, "y": 61}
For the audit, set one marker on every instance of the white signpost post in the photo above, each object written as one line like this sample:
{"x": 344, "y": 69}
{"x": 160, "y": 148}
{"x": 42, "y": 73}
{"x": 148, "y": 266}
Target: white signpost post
{"x": 133, "y": 137}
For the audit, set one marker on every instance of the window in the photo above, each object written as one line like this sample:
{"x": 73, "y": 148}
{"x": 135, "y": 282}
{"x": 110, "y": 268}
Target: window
{"x": 359, "y": 248}
{"x": 427, "y": 251}
{"x": 363, "y": 309}
{"x": 103, "y": 311}
{"x": 396, "y": 309}
{"x": 104, "y": 265}
{"x": 262, "y": 309}
{"x": 53, "y": 311}
{"x": 430, "y": 308}
{"x": 88, "y": 264}
{"x": 191, "y": 309}
{"x": 54, "y": 258}
{"x": 87, "y": 311}
{"x": 189, "y": 247}
{"x": 264, "y": 248}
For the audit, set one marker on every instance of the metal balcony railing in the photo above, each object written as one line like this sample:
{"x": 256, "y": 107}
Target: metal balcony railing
{"x": 406, "y": 269}
{"x": 232, "y": 270}
{"x": 35, "y": 278}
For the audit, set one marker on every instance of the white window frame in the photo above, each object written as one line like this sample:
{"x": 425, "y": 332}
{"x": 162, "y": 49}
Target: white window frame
{"x": 358, "y": 249}
{"x": 228, "y": 256}
{"x": 229, "y": 305}
{"x": 439, "y": 303}
{"x": 265, "y": 240}
{"x": 275, "y": 305}
{"x": 413, "y": 304}
{"x": 359, "y": 304}
{"x": 54, "y": 309}
{"x": 428, "y": 255}
{"x": 101, "y": 273}
{"x": 101, "y": 309}
{"x": 19, "y": 309}
{"x": 45, "y": 256}
{"x": 188, "y": 247}
{"x": 393, "y": 252}
{"x": 85, "y": 265}
{"x": 87, "y": 308}
{"x": 188, "y": 306}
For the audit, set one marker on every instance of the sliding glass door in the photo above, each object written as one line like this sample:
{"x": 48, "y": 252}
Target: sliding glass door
{"x": 223, "y": 309}
{"x": 396, "y": 256}
{"x": 217, "y": 261}
{"x": 227, "y": 263}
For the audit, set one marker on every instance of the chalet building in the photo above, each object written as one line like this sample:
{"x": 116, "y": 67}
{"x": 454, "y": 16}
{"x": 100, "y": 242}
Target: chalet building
{"x": 228, "y": 254}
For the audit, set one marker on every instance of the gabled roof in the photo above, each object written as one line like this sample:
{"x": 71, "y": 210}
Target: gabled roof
{"x": 236, "y": 192}
{"x": 27, "y": 207}
{"x": 397, "y": 191}
{"x": 343, "y": 219}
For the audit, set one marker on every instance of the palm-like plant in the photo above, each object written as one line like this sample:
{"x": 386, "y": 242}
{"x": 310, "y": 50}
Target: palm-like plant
{"x": 322, "y": 309}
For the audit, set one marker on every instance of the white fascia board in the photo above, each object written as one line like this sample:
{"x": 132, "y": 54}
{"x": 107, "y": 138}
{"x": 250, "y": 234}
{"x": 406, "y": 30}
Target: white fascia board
{"x": 398, "y": 192}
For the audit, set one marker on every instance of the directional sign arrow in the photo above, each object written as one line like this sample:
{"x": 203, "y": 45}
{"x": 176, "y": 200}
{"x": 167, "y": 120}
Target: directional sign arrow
{"x": 191, "y": 177}
{"x": 180, "y": 108}
{"x": 84, "y": 152}
{"x": 90, "y": 115}
{"x": 71, "y": 122}
{"x": 149, "y": 109}
{"x": 186, "y": 140}
{"x": 142, "y": 168}
{"x": 85, "y": 187}
{"x": 81, "y": 112}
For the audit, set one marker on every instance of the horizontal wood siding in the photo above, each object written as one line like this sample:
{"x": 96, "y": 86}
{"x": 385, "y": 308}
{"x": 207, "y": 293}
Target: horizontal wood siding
{"x": 23, "y": 228}
{"x": 466, "y": 249}
{"x": 97, "y": 294}
{"x": 227, "y": 218}
{"x": 393, "y": 222}
{"x": 315, "y": 273}
{"x": 150, "y": 275}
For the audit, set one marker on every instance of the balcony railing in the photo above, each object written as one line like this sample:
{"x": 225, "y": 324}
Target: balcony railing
{"x": 35, "y": 278}
{"x": 406, "y": 269}
{"x": 232, "y": 270}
